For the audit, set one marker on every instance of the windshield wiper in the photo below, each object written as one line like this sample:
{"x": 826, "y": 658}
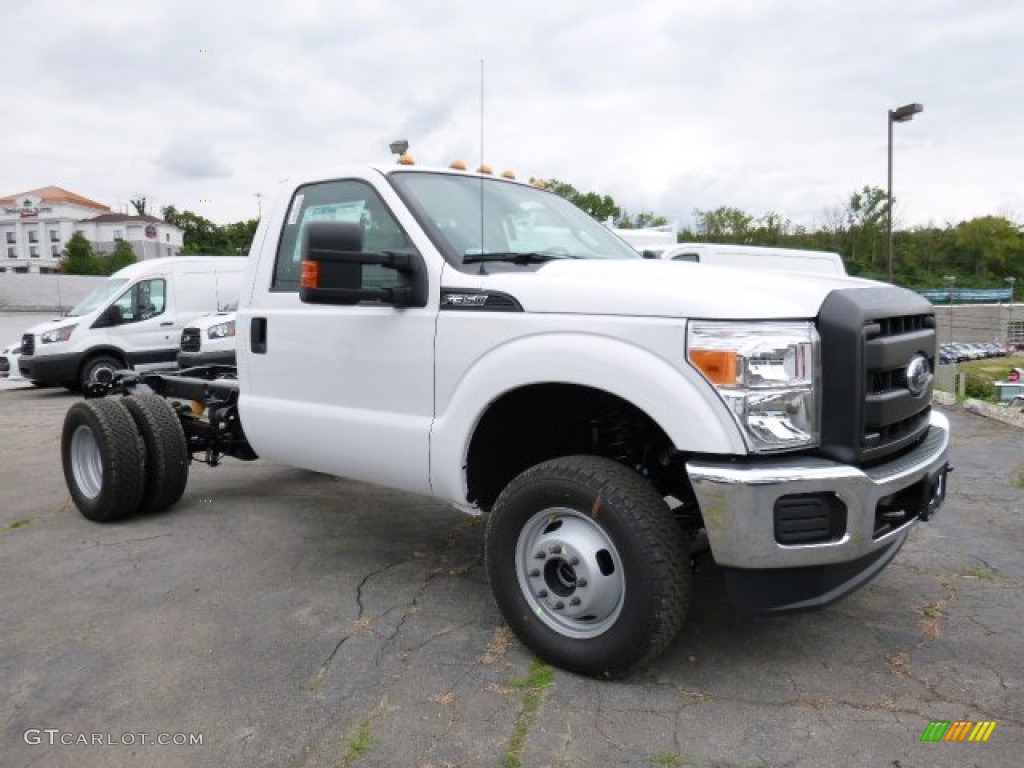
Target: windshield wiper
{"x": 515, "y": 257}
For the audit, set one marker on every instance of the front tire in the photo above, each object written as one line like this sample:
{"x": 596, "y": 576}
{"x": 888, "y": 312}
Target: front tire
{"x": 588, "y": 566}
{"x": 102, "y": 454}
{"x": 98, "y": 369}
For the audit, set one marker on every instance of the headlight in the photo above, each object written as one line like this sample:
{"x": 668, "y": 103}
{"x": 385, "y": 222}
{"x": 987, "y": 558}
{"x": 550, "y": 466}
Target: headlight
{"x": 768, "y": 374}
{"x": 58, "y": 334}
{"x": 222, "y": 330}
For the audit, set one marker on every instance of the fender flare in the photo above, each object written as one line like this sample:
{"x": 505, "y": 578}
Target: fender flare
{"x": 678, "y": 399}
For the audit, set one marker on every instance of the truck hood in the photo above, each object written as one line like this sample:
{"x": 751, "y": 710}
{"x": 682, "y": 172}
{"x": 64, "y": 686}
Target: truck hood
{"x": 668, "y": 289}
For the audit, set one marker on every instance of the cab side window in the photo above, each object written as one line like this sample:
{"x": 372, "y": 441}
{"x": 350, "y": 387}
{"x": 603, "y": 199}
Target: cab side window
{"x": 142, "y": 301}
{"x": 351, "y": 201}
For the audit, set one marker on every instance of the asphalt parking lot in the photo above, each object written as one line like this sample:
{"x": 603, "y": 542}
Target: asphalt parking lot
{"x": 291, "y": 619}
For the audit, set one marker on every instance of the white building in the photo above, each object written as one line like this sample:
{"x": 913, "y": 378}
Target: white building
{"x": 35, "y": 227}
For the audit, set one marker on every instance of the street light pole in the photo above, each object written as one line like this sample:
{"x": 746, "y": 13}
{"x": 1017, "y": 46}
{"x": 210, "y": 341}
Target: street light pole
{"x": 1009, "y": 310}
{"x": 950, "y": 280}
{"x": 899, "y": 115}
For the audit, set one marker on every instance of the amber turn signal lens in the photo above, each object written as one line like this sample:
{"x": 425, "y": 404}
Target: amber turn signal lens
{"x": 719, "y": 365}
{"x": 310, "y": 277}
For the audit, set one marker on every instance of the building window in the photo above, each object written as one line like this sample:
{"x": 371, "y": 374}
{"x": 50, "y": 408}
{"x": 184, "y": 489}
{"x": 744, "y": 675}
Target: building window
{"x": 54, "y": 236}
{"x": 21, "y": 270}
{"x": 167, "y": 237}
{"x": 33, "y": 236}
{"x": 33, "y": 251}
{"x": 118, "y": 234}
{"x": 55, "y": 251}
{"x": 11, "y": 254}
{"x": 10, "y": 237}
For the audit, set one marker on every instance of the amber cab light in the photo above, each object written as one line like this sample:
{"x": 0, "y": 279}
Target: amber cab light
{"x": 310, "y": 277}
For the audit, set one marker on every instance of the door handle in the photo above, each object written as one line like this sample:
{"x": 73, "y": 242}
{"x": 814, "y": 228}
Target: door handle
{"x": 258, "y": 335}
{"x": 167, "y": 323}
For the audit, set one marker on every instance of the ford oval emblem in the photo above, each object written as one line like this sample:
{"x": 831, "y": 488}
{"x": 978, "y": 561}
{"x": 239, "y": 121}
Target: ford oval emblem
{"x": 919, "y": 373}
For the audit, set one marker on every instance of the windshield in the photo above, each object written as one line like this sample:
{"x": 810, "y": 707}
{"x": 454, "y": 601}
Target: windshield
{"x": 472, "y": 218}
{"x": 98, "y": 298}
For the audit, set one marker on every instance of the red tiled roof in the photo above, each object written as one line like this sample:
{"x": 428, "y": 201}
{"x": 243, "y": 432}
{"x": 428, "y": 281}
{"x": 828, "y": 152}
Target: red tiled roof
{"x": 115, "y": 218}
{"x": 53, "y": 194}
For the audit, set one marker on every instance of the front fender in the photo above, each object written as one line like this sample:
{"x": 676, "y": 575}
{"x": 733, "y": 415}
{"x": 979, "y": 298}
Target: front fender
{"x": 676, "y": 398}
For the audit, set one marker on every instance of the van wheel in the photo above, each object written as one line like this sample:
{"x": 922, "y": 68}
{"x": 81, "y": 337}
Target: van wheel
{"x": 167, "y": 456}
{"x": 99, "y": 369}
{"x": 102, "y": 454}
{"x": 588, "y": 566}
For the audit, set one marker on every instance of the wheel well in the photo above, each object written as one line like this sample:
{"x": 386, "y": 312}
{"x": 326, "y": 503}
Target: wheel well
{"x": 101, "y": 352}
{"x": 544, "y": 421}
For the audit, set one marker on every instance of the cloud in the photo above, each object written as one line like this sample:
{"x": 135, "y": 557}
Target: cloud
{"x": 191, "y": 159}
{"x": 759, "y": 104}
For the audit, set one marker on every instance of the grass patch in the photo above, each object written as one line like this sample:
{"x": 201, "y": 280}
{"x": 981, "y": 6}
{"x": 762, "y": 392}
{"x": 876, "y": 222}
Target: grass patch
{"x": 986, "y": 574}
{"x": 17, "y": 523}
{"x": 668, "y": 760}
{"x": 533, "y": 686}
{"x": 1020, "y": 476}
{"x": 980, "y": 375}
{"x": 357, "y": 744}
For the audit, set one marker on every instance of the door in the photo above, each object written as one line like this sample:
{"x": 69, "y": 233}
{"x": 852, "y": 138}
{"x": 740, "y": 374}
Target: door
{"x": 142, "y": 324}
{"x": 346, "y": 390}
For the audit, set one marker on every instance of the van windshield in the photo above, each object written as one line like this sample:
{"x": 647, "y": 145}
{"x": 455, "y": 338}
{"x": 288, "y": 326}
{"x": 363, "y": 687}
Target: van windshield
{"x": 99, "y": 297}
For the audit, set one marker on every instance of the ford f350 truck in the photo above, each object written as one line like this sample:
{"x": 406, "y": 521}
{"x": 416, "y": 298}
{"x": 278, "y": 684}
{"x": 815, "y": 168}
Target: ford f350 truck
{"x": 480, "y": 340}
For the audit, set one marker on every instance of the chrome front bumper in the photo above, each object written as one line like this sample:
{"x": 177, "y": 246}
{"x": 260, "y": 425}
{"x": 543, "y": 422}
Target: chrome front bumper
{"x": 738, "y": 499}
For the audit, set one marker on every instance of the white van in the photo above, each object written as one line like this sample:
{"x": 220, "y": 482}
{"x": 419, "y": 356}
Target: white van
{"x": 209, "y": 340}
{"x": 752, "y": 257}
{"x": 134, "y": 320}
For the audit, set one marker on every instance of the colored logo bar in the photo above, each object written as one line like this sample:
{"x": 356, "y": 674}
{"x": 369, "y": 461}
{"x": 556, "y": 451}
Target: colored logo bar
{"x": 958, "y": 730}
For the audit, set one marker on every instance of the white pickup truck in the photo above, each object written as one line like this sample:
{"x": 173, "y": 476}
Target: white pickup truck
{"x": 482, "y": 341}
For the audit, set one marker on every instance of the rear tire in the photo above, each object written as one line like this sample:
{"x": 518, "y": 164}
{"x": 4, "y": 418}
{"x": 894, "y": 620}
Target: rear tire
{"x": 588, "y": 566}
{"x": 167, "y": 456}
{"x": 102, "y": 454}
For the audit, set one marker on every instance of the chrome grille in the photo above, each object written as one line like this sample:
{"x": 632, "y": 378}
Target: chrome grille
{"x": 190, "y": 340}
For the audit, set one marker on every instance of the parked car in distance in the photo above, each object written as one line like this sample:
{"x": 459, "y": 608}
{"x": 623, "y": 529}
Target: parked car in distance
{"x": 947, "y": 355}
{"x": 994, "y": 349}
{"x": 9, "y": 361}
{"x": 210, "y": 339}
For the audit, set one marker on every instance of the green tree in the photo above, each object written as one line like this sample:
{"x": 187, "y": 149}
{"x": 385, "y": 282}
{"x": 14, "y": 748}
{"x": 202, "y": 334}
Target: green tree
{"x": 139, "y": 204}
{"x": 988, "y": 246}
{"x": 78, "y": 257}
{"x": 238, "y": 236}
{"x": 642, "y": 220}
{"x": 200, "y": 234}
{"x": 601, "y": 207}
{"x": 122, "y": 257}
{"x": 724, "y": 225}
{"x": 865, "y": 215}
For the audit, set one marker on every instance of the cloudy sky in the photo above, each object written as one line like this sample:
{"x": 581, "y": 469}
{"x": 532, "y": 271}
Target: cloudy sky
{"x": 667, "y": 105}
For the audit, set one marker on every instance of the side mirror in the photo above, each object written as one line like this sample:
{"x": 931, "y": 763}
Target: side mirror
{"x": 111, "y": 316}
{"x": 333, "y": 269}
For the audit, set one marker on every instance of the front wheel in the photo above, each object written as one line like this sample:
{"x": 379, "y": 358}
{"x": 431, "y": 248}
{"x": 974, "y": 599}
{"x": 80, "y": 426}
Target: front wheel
{"x": 588, "y": 566}
{"x": 98, "y": 369}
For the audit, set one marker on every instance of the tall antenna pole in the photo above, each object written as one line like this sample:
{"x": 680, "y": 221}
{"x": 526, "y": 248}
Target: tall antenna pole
{"x": 481, "y": 167}
{"x": 481, "y": 111}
